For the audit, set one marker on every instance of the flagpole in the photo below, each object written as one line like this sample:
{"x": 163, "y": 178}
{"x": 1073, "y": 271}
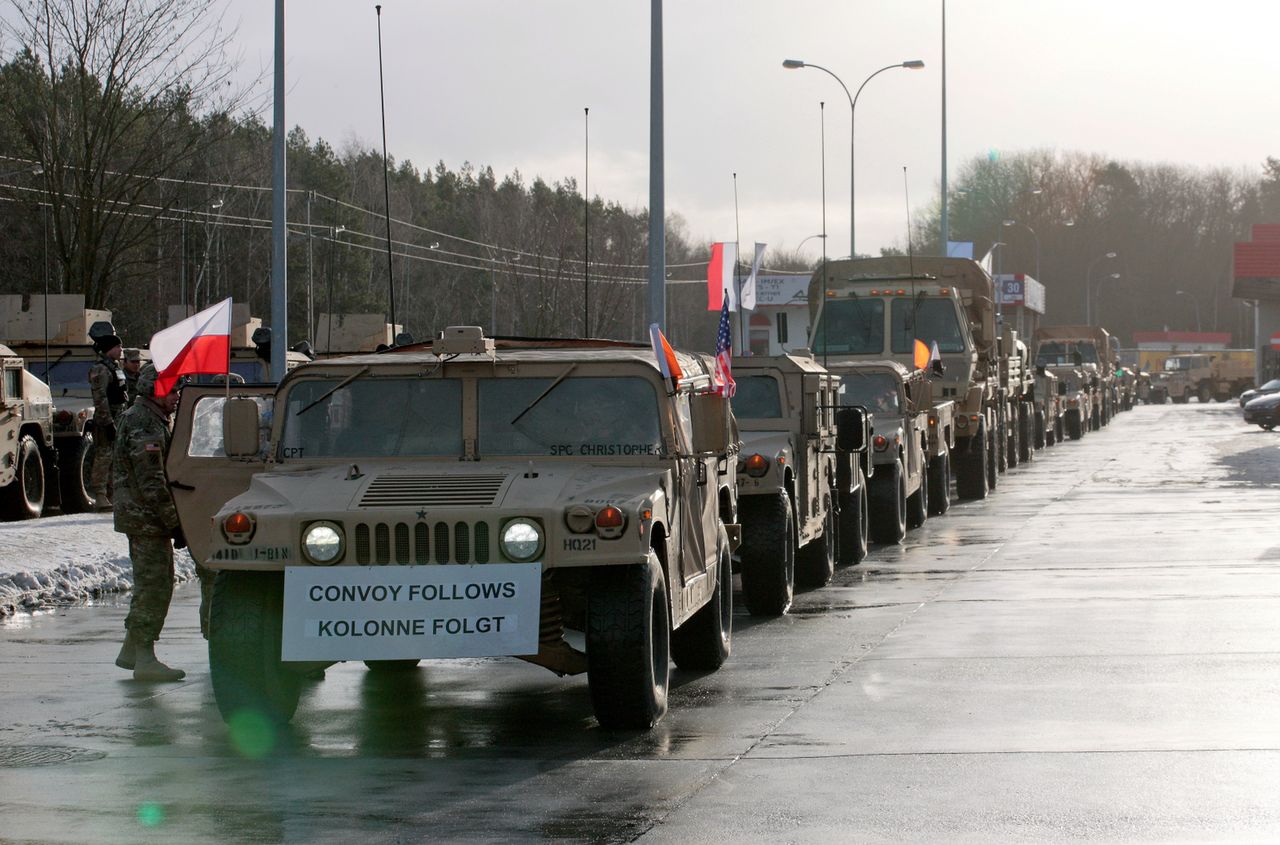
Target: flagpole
{"x": 737, "y": 276}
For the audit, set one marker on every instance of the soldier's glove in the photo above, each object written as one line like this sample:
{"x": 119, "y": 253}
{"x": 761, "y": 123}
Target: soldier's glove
{"x": 179, "y": 539}
{"x": 109, "y": 432}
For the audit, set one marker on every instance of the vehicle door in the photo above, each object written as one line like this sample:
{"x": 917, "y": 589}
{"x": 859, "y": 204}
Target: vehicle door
{"x": 201, "y": 475}
{"x": 917, "y": 422}
{"x": 697, "y": 477}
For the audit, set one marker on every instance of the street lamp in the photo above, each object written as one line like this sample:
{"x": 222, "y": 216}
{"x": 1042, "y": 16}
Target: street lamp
{"x": 793, "y": 64}
{"x": 1008, "y": 223}
{"x": 1197, "y": 304}
{"x": 806, "y": 240}
{"x": 1104, "y": 278}
{"x": 1088, "y": 286}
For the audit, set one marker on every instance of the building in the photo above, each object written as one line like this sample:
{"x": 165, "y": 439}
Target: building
{"x": 1256, "y": 274}
{"x": 1021, "y": 302}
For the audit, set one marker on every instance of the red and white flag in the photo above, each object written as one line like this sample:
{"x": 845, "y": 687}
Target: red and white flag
{"x": 199, "y": 345}
{"x": 720, "y": 282}
{"x": 666, "y": 356}
{"x": 749, "y": 286}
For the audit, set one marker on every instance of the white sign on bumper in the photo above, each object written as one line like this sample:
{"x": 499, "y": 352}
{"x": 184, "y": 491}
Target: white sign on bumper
{"x": 406, "y": 612}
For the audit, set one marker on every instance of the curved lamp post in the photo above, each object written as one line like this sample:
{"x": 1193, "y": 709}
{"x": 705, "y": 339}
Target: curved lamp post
{"x": 1008, "y": 223}
{"x": 793, "y": 64}
{"x": 1088, "y": 286}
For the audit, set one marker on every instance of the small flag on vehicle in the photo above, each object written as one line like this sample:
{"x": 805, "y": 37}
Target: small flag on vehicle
{"x": 666, "y": 356}
{"x": 723, "y": 374}
{"x": 920, "y": 355}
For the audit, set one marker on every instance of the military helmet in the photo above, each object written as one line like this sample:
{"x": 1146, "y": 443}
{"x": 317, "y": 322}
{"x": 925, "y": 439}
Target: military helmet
{"x": 147, "y": 380}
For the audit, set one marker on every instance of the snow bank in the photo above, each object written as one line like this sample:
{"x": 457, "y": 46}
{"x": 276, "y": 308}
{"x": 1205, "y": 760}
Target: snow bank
{"x": 64, "y": 560}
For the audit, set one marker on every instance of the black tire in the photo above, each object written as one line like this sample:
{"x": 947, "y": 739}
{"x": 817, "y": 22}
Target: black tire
{"x": 386, "y": 667}
{"x": 23, "y": 498}
{"x": 854, "y": 528}
{"x": 1041, "y": 439}
{"x": 629, "y": 645}
{"x": 245, "y": 623}
{"x": 1266, "y": 426}
{"x": 816, "y": 559}
{"x": 918, "y": 503}
{"x": 768, "y": 553}
{"x": 75, "y": 463}
{"x": 993, "y": 459}
{"x": 1013, "y": 443}
{"x": 703, "y": 642}
{"x": 1075, "y": 428}
{"x": 1180, "y": 400}
{"x": 1059, "y": 430}
{"x": 971, "y": 470}
{"x": 1002, "y": 447}
{"x": 1204, "y": 393}
{"x": 889, "y": 504}
{"x": 1026, "y": 440}
{"x": 939, "y": 482}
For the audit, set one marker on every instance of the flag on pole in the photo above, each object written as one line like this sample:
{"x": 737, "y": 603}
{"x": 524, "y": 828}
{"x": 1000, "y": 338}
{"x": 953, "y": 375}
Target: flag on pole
{"x": 920, "y": 354}
{"x": 199, "y": 345}
{"x": 666, "y": 356}
{"x": 749, "y": 286}
{"x": 986, "y": 259}
{"x": 724, "y": 258}
{"x": 723, "y": 374}
{"x": 934, "y": 355}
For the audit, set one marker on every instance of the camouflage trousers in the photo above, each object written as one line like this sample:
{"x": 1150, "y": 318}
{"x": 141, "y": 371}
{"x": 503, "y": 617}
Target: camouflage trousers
{"x": 152, "y": 559}
{"x": 100, "y": 472}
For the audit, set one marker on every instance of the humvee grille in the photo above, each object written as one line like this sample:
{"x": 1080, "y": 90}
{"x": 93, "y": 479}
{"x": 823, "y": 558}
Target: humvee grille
{"x": 441, "y": 542}
{"x": 412, "y": 491}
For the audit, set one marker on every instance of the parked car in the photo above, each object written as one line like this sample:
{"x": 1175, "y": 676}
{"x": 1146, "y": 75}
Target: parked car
{"x": 1263, "y": 411}
{"x": 1267, "y": 389}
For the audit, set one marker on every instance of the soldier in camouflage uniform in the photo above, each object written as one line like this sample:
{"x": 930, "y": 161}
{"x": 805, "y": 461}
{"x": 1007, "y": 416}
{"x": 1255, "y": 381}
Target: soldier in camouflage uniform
{"x": 144, "y": 511}
{"x": 131, "y": 363}
{"x": 109, "y": 401}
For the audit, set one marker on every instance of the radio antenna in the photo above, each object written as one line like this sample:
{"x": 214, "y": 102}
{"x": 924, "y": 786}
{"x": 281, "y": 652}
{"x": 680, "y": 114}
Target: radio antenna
{"x": 386, "y": 182}
{"x": 911, "y": 257}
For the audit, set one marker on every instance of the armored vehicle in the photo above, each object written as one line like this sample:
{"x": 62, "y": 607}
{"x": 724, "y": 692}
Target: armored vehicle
{"x": 797, "y": 518}
{"x": 460, "y": 499}
{"x": 1048, "y": 409}
{"x": 27, "y": 456}
{"x": 871, "y": 309}
{"x": 1087, "y": 348}
{"x": 1017, "y": 389}
{"x": 1077, "y": 400}
{"x": 1206, "y": 376}
{"x": 912, "y": 465}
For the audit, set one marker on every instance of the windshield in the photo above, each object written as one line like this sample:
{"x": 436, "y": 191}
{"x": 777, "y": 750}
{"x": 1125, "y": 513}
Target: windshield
{"x": 1274, "y": 384}
{"x": 854, "y": 326}
{"x": 1186, "y": 362}
{"x": 66, "y": 376}
{"x": 929, "y": 320}
{"x": 877, "y": 392}
{"x": 373, "y": 417}
{"x": 757, "y": 398}
{"x": 583, "y": 415}
{"x": 1053, "y": 353}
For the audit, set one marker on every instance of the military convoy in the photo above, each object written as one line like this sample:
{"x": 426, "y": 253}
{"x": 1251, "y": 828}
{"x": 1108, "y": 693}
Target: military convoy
{"x": 27, "y": 455}
{"x": 1204, "y": 376}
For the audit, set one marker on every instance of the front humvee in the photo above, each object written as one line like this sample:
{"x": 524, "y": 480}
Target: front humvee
{"x": 457, "y": 500}
{"x": 27, "y": 458}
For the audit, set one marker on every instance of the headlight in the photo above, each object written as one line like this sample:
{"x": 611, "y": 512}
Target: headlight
{"x": 521, "y": 540}
{"x": 322, "y": 543}
{"x": 756, "y": 465}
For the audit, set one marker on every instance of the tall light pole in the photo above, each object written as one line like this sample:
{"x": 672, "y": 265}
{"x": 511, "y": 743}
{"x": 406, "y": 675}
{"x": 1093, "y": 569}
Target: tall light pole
{"x": 793, "y": 64}
{"x": 1195, "y": 300}
{"x": 1100, "y": 281}
{"x": 1008, "y": 223}
{"x": 1088, "y": 286}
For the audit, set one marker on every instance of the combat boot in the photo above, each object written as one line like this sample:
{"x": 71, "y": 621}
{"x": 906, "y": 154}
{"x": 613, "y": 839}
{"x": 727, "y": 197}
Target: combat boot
{"x": 128, "y": 652}
{"x": 102, "y": 504}
{"x": 147, "y": 668}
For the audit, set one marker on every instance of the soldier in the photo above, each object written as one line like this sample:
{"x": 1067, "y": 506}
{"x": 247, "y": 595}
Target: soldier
{"x": 132, "y": 365}
{"x": 145, "y": 512}
{"x": 109, "y": 400}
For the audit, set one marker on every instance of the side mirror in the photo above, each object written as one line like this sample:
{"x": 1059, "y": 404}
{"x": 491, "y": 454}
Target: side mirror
{"x": 240, "y": 428}
{"x": 937, "y": 368}
{"x": 851, "y": 430}
{"x": 710, "y": 423}
{"x": 1040, "y": 370}
{"x": 1062, "y": 388}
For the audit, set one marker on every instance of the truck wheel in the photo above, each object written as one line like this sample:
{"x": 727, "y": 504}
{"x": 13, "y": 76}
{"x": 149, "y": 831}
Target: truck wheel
{"x": 703, "y": 642}
{"x": 889, "y": 505}
{"x": 24, "y": 497}
{"x": 1040, "y": 439}
{"x": 1074, "y": 427}
{"x": 1095, "y": 420}
{"x": 1180, "y": 399}
{"x": 938, "y": 480}
{"x": 1059, "y": 431}
{"x": 1002, "y": 448}
{"x": 628, "y": 645}
{"x": 768, "y": 553}
{"x": 971, "y": 472}
{"x": 918, "y": 503}
{"x": 1026, "y": 442}
{"x": 75, "y": 462}
{"x": 245, "y": 623}
{"x": 853, "y": 525}
{"x": 1204, "y": 393}
{"x": 993, "y": 459}
{"x": 384, "y": 667}
{"x": 816, "y": 559}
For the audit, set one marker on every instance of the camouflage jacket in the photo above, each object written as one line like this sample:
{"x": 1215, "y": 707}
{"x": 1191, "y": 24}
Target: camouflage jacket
{"x": 143, "y": 503}
{"x": 130, "y": 387}
{"x": 107, "y": 383}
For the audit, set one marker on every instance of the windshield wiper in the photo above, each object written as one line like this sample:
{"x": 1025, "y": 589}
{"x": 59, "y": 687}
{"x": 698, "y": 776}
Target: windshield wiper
{"x": 332, "y": 391}
{"x": 544, "y": 393}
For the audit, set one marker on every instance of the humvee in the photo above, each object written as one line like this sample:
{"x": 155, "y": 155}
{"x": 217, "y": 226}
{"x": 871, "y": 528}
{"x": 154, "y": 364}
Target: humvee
{"x": 798, "y": 520}
{"x": 1048, "y": 409}
{"x": 911, "y": 444}
{"x": 1078, "y": 405}
{"x": 462, "y": 499}
{"x": 27, "y": 456}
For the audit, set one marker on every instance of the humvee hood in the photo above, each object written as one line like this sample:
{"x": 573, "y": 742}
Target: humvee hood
{"x": 768, "y": 443}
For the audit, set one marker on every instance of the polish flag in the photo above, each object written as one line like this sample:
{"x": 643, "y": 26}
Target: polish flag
{"x": 666, "y": 356}
{"x": 199, "y": 345}
{"x": 724, "y": 258}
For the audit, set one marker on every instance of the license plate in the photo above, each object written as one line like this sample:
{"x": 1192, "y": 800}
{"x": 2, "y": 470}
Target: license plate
{"x": 407, "y": 612}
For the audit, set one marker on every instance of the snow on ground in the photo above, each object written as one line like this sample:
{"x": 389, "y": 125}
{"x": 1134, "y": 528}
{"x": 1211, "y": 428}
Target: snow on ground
{"x": 66, "y": 559}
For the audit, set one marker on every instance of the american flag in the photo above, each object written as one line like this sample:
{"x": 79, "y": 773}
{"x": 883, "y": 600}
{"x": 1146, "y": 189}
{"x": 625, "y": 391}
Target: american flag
{"x": 725, "y": 385}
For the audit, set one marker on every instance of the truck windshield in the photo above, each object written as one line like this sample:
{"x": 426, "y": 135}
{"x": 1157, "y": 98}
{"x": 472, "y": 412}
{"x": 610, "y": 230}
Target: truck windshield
{"x": 63, "y": 376}
{"x": 1185, "y": 363}
{"x": 1059, "y": 352}
{"x": 877, "y": 392}
{"x": 928, "y": 320}
{"x": 373, "y": 418}
{"x": 583, "y": 416}
{"x": 850, "y": 326}
{"x": 757, "y": 398}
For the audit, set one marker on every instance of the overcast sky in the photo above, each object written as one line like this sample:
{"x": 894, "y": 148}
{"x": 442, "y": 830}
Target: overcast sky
{"x": 504, "y": 83}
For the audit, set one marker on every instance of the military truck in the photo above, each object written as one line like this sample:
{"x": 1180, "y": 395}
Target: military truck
{"x": 1087, "y": 348}
{"x": 912, "y": 476}
{"x": 1048, "y": 409}
{"x": 871, "y": 309}
{"x": 1206, "y": 376}
{"x": 1076, "y": 396}
{"x": 27, "y": 456}
{"x": 1017, "y": 389}
{"x": 797, "y": 521}
{"x": 459, "y": 498}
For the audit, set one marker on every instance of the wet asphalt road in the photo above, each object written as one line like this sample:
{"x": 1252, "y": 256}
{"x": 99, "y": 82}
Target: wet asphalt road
{"x": 1093, "y": 653}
